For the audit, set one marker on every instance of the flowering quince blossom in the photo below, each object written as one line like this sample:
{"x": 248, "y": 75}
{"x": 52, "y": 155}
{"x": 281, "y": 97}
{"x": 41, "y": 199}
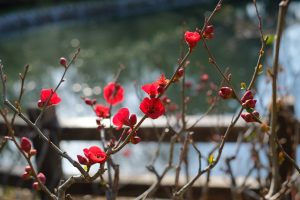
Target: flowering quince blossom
{"x": 113, "y": 93}
{"x": 151, "y": 89}
{"x": 225, "y": 92}
{"x": 153, "y": 107}
{"x": 122, "y": 118}
{"x": 45, "y": 94}
{"x": 94, "y": 155}
{"x": 192, "y": 38}
{"x": 101, "y": 111}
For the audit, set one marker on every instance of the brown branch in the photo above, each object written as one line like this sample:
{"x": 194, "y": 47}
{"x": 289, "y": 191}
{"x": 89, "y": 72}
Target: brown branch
{"x": 275, "y": 166}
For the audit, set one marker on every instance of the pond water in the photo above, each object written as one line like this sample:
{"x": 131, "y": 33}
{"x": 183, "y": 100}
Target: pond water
{"x": 146, "y": 45}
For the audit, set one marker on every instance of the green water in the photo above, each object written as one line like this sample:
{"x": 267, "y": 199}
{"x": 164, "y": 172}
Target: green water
{"x": 146, "y": 45}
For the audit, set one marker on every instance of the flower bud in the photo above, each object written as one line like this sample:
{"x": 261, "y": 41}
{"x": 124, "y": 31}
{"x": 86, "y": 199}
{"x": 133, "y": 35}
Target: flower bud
{"x": 25, "y": 144}
{"x": 248, "y": 95}
{"x": 26, "y": 175}
{"x": 225, "y": 92}
{"x": 82, "y": 160}
{"x": 132, "y": 120}
{"x": 36, "y": 186}
{"x": 250, "y": 103}
{"x": 248, "y": 117}
{"x": 32, "y": 152}
{"x": 135, "y": 139}
{"x": 160, "y": 89}
{"x": 208, "y": 32}
{"x": 28, "y": 169}
{"x": 63, "y": 61}
{"x": 42, "y": 177}
{"x": 88, "y": 101}
{"x": 204, "y": 77}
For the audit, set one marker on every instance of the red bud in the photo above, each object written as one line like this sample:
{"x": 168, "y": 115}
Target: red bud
{"x": 63, "y": 61}
{"x": 25, "y": 144}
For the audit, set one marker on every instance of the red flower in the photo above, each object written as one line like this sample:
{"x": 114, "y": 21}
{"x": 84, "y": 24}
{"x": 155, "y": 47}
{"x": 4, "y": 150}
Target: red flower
{"x": 225, "y": 92}
{"x": 25, "y": 144}
{"x": 208, "y": 32}
{"x": 95, "y": 155}
{"x": 122, "y": 118}
{"x": 113, "y": 93}
{"x": 153, "y": 107}
{"x": 151, "y": 89}
{"x": 192, "y": 38}
{"x": 101, "y": 111}
{"x": 45, "y": 94}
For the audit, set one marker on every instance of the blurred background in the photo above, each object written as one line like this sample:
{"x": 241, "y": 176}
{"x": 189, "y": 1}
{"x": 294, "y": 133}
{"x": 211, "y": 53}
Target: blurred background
{"x": 145, "y": 37}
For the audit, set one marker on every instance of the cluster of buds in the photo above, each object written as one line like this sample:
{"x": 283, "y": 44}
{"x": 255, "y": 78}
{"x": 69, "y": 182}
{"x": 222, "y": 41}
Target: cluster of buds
{"x": 248, "y": 102}
{"x": 26, "y": 147}
{"x": 28, "y": 174}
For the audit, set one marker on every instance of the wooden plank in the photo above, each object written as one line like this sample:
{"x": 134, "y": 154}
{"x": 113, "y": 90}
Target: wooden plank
{"x": 84, "y": 128}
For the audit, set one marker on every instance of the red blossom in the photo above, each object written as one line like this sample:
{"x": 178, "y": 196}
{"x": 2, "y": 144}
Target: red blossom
{"x": 122, "y": 118}
{"x": 225, "y": 92}
{"x": 95, "y": 155}
{"x": 192, "y": 38}
{"x": 113, "y": 93}
{"x": 25, "y": 144}
{"x": 151, "y": 89}
{"x": 101, "y": 111}
{"x": 153, "y": 107}
{"x": 45, "y": 94}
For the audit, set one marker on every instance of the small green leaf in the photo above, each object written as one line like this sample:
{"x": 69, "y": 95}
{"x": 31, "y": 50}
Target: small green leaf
{"x": 211, "y": 159}
{"x": 243, "y": 85}
{"x": 270, "y": 38}
{"x": 85, "y": 167}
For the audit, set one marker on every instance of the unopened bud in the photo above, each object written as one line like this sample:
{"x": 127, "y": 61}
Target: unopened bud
{"x": 63, "y": 61}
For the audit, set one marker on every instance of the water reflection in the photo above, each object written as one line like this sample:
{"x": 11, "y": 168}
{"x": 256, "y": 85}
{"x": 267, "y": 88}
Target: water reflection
{"x": 146, "y": 45}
